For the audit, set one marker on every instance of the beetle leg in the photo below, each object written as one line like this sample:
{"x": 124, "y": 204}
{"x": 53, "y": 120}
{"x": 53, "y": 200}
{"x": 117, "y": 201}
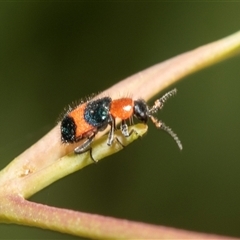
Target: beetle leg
{"x": 124, "y": 128}
{"x": 84, "y": 147}
{"x": 111, "y": 132}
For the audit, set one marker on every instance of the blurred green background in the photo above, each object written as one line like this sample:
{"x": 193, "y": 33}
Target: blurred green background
{"x": 53, "y": 53}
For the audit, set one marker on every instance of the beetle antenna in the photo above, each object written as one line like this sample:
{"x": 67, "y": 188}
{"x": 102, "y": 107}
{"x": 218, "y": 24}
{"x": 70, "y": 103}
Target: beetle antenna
{"x": 161, "y": 125}
{"x": 159, "y": 103}
{"x": 172, "y": 134}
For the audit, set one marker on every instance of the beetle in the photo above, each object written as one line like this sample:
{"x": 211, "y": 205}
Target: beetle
{"x": 87, "y": 119}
